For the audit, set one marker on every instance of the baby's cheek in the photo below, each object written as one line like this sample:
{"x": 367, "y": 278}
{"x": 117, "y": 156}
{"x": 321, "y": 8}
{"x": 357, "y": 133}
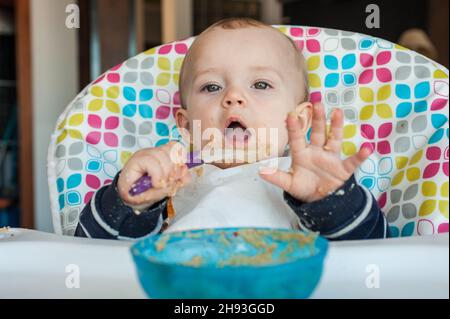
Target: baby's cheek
{"x": 278, "y": 140}
{"x": 207, "y": 119}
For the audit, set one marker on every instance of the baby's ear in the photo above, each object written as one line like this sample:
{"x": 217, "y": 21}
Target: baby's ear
{"x": 182, "y": 118}
{"x": 304, "y": 112}
{"x": 182, "y": 121}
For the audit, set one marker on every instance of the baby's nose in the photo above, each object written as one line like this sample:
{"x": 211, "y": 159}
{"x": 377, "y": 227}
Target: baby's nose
{"x": 230, "y": 102}
{"x": 233, "y": 98}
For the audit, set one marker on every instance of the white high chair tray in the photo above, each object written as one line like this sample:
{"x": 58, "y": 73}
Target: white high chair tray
{"x": 40, "y": 265}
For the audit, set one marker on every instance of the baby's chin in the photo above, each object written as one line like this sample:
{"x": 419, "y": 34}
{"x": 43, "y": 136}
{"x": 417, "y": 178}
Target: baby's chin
{"x": 237, "y": 161}
{"x": 228, "y": 165}
{"x": 243, "y": 158}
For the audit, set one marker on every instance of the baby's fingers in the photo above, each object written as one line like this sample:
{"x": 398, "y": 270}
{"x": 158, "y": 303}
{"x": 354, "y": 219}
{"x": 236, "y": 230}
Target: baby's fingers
{"x": 353, "y": 162}
{"x": 319, "y": 126}
{"x": 297, "y": 140}
{"x": 186, "y": 176}
{"x": 142, "y": 164}
{"x": 276, "y": 177}
{"x": 182, "y": 174}
{"x": 334, "y": 141}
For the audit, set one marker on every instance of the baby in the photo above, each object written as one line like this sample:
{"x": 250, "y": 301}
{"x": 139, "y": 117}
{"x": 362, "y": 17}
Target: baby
{"x": 240, "y": 80}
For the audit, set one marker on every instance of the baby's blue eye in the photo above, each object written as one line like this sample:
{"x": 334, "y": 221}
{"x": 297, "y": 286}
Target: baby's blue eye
{"x": 261, "y": 85}
{"x": 211, "y": 88}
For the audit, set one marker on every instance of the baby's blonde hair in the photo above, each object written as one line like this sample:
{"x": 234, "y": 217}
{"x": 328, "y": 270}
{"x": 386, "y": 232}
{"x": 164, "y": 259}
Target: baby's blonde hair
{"x": 240, "y": 23}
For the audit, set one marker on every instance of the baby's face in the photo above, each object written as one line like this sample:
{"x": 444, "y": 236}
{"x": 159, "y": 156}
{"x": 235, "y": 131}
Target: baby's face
{"x": 242, "y": 79}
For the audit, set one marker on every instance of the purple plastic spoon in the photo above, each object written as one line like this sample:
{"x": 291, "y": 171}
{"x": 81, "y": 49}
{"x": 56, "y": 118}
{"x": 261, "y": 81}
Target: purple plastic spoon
{"x": 145, "y": 182}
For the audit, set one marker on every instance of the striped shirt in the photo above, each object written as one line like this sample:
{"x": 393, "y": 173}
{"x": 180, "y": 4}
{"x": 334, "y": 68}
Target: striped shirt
{"x": 351, "y": 212}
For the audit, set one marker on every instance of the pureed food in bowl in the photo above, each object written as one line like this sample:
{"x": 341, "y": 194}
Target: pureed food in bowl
{"x": 230, "y": 263}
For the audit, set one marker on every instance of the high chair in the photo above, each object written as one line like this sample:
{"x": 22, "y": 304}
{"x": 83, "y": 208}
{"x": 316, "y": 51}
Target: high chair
{"x": 393, "y": 99}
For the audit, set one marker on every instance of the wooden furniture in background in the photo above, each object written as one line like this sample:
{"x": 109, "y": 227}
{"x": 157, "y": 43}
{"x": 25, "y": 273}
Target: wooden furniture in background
{"x": 438, "y": 28}
{"x": 113, "y": 18}
{"x": 107, "y": 36}
{"x": 25, "y": 112}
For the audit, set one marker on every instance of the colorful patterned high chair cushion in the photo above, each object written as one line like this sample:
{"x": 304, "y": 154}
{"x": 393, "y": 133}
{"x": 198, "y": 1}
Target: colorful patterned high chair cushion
{"x": 393, "y": 99}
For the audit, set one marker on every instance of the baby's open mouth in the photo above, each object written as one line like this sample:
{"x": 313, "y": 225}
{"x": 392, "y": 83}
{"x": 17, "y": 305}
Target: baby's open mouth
{"x": 236, "y": 132}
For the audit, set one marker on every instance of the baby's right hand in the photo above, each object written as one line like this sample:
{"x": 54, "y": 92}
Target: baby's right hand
{"x": 165, "y": 167}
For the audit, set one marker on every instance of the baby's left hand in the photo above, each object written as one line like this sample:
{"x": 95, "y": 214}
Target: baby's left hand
{"x": 316, "y": 168}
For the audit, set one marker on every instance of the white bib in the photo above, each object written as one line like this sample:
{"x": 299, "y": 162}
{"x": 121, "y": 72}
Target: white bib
{"x": 233, "y": 197}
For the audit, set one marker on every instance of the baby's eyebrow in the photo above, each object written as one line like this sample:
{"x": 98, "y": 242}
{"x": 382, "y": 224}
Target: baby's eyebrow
{"x": 262, "y": 68}
{"x": 255, "y": 68}
{"x": 209, "y": 70}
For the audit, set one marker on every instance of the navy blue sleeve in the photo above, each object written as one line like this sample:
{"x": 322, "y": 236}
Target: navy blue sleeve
{"x": 107, "y": 217}
{"x": 351, "y": 212}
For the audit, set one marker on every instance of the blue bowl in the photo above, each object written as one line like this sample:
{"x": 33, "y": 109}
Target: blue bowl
{"x": 230, "y": 263}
